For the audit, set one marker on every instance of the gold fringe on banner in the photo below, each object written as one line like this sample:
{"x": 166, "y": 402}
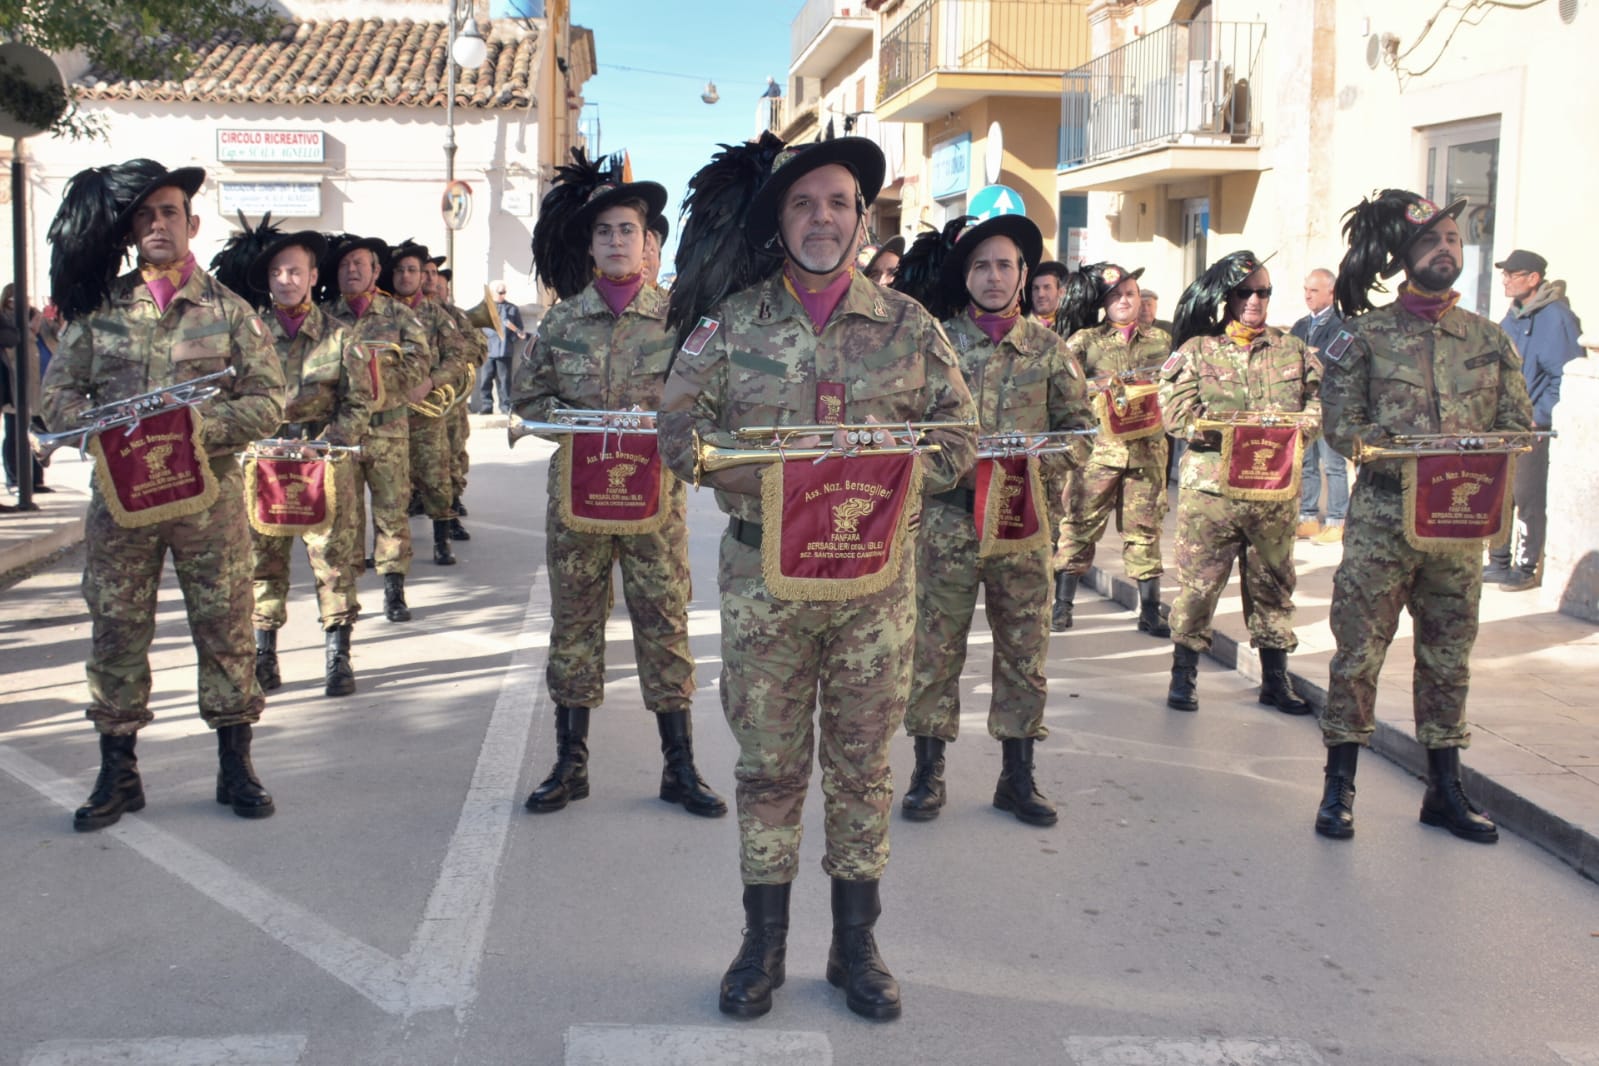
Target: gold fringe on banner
{"x": 1235, "y": 492}
{"x": 1456, "y": 544}
{"x": 161, "y": 512}
{"x": 608, "y": 526}
{"x": 989, "y": 542}
{"x": 1103, "y": 409}
{"x": 330, "y": 490}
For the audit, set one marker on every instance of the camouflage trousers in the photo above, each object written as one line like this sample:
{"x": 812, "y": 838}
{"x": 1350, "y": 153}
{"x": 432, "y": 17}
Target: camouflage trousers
{"x": 791, "y": 670}
{"x": 430, "y": 465}
{"x": 655, "y": 585}
{"x": 335, "y": 557}
{"x": 1212, "y": 533}
{"x": 1057, "y": 487}
{"x": 385, "y": 470}
{"x": 1137, "y": 496}
{"x": 1380, "y": 574}
{"x": 459, "y": 427}
{"x": 121, "y": 577}
{"x": 1016, "y": 599}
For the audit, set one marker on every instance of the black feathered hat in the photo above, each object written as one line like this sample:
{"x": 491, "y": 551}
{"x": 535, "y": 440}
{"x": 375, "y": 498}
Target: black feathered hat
{"x": 1083, "y": 303}
{"x": 1197, "y": 307}
{"x": 1053, "y": 268}
{"x": 659, "y": 226}
{"x": 231, "y": 265}
{"x": 921, "y": 269}
{"x": 339, "y": 246}
{"x": 714, "y": 260}
{"x": 858, "y": 155}
{"x": 309, "y": 239}
{"x": 582, "y": 189}
{"x": 406, "y": 249}
{"x": 895, "y": 245}
{"x": 1380, "y": 231}
{"x": 89, "y": 233}
{"x": 1022, "y": 230}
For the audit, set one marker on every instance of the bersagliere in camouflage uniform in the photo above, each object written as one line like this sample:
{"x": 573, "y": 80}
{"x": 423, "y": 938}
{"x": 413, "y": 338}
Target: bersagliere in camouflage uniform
{"x": 762, "y": 342}
{"x": 1022, "y": 381}
{"x": 605, "y": 347}
{"x": 330, "y": 398}
{"x": 1046, "y": 286}
{"x": 162, "y": 324}
{"x": 1419, "y": 365}
{"x": 458, "y": 424}
{"x": 372, "y": 317}
{"x": 1220, "y": 367}
{"x": 1127, "y": 477}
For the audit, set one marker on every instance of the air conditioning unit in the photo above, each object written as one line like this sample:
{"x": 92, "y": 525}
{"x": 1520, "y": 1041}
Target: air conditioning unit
{"x": 1207, "y": 96}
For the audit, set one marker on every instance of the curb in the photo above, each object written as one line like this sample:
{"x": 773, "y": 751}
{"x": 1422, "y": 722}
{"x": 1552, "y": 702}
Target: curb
{"x": 26, "y": 553}
{"x": 1570, "y": 843}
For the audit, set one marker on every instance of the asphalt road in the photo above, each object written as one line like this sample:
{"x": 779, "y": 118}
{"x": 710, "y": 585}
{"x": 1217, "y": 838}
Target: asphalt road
{"x": 402, "y": 908}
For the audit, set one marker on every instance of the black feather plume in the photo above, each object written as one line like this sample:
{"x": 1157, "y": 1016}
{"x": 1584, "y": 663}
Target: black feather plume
{"x": 86, "y": 244}
{"x": 1376, "y": 230}
{"x": 326, "y": 289}
{"x": 714, "y": 260}
{"x": 231, "y": 266}
{"x": 1080, "y": 304}
{"x": 1198, "y": 306}
{"x": 560, "y": 258}
{"x": 921, "y": 269}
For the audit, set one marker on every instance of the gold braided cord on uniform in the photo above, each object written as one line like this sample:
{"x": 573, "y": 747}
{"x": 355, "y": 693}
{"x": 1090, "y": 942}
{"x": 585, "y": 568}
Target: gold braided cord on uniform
{"x": 1234, "y": 492}
{"x": 608, "y": 526}
{"x": 1444, "y": 545}
{"x": 1122, "y": 395}
{"x": 330, "y": 489}
{"x": 989, "y": 542}
{"x": 821, "y": 589}
{"x": 163, "y": 512}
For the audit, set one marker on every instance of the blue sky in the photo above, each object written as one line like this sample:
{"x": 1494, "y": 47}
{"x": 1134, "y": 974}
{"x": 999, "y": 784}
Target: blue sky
{"x": 659, "y": 117}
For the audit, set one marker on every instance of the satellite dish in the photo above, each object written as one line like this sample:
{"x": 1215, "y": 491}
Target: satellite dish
{"x": 41, "y": 85}
{"x": 993, "y": 155}
{"x": 710, "y": 95}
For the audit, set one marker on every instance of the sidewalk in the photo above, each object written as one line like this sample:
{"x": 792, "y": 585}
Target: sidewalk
{"x": 27, "y": 537}
{"x": 1533, "y": 707}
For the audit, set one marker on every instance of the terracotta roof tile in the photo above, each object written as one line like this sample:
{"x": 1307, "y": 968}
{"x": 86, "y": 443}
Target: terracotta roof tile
{"x": 360, "y": 61}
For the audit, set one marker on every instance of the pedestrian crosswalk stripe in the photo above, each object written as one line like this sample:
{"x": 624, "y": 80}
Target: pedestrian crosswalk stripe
{"x": 272, "y": 1049}
{"x": 1165, "y": 1051}
{"x": 691, "y": 1045}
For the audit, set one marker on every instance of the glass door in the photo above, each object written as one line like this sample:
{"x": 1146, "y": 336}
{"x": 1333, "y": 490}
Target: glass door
{"x": 1196, "y": 234}
{"x": 1463, "y": 160}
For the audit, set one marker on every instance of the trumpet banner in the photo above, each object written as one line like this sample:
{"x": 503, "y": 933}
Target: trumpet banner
{"x": 1128, "y": 413}
{"x": 1455, "y": 502}
{"x": 612, "y": 483}
{"x": 1008, "y": 510}
{"x": 1261, "y": 462}
{"x": 290, "y": 497}
{"x": 155, "y": 471}
{"x": 835, "y": 529}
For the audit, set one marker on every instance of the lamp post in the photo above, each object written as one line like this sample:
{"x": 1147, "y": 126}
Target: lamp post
{"x": 466, "y": 49}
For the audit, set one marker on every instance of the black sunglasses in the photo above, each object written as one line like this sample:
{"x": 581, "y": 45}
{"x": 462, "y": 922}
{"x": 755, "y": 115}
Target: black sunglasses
{"x": 1264, "y": 292}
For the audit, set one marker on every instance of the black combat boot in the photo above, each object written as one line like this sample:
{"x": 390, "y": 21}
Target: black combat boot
{"x": 394, "y": 608}
{"x": 569, "y": 780}
{"x": 442, "y": 555}
{"x": 1275, "y": 688}
{"x": 457, "y": 530}
{"x": 925, "y": 798}
{"x": 758, "y": 968}
{"x": 1149, "y": 619}
{"x": 340, "y": 675}
{"x": 680, "y": 781}
{"x": 117, "y": 790}
{"x": 415, "y": 508}
{"x": 1336, "y": 817}
{"x": 1446, "y": 804}
{"x": 237, "y": 785}
{"x": 1016, "y": 791}
{"x": 1184, "y": 676}
{"x": 458, "y": 507}
{"x": 853, "y": 963}
{"x": 1060, "y": 616}
{"x": 266, "y": 660}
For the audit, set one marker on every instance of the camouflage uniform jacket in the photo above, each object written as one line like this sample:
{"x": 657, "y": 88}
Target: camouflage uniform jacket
{"x": 451, "y": 348}
{"x": 1398, "y": 373}
{"x": 1212, "y": 376}
{"x": 387, "y": 321}
{"x": 587, "y": 357}
{"x": 477, "y": 347}
{"x": 330, "y": 389}
{"x": 1027, "y": 383}
{"x": 762, "y": 366}
{"x": 127, "y": 346}
{"x": 1101, "y": 351}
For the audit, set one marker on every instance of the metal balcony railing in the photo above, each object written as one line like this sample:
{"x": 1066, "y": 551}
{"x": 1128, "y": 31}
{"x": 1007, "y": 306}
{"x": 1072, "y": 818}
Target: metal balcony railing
{"x": 1186, "y": 83}
{"x": 982, "y": 36}
{"x": 813, "y": 18}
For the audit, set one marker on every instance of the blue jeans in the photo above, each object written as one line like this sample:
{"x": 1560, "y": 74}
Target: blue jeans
{"x": 1319, "y": 453}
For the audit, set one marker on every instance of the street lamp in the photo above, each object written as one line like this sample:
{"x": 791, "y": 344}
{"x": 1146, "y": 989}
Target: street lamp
{"x": 467, "y": 49}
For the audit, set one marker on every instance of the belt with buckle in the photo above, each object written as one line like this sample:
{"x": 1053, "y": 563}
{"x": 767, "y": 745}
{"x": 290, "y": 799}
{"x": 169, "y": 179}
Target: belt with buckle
{"x": 747, "y": 533}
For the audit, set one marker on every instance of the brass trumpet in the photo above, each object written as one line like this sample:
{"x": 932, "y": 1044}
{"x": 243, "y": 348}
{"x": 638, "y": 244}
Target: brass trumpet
{"x": 862, "y": 438}
{"x": 580, "y": 420}
{"x": 437, "y": 403}
{"x": 1122, "y": 378}
{"x": 301, "y": 450}
{"x": 1408, "y": 446}
{"x": 1007, "y": 445}
{"x": 133, "y": 410}
{"x": 1302, "y": 420}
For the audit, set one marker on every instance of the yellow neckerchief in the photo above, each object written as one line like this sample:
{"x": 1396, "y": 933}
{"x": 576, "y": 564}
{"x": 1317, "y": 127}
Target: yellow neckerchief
{"x": 299, "y": 310}
{"x": 1243, "y": 335}
{"x": 150, "y": 272}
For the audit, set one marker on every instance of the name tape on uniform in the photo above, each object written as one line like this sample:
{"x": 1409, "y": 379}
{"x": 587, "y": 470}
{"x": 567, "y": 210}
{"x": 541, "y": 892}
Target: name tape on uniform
{"x": 1340, "y": 344}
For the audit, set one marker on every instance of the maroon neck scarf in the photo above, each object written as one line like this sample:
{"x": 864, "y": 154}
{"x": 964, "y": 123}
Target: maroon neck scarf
{"x": 618, "y": 292}
{"x": 164, "y": 282}
{"x": 1424, "y": 304}
{"x": 819, "y": 305}
{"x": 996, "y": 326}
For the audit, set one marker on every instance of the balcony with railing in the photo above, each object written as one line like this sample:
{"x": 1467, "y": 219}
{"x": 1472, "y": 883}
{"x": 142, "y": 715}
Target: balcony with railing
{"x": 946, "y": 54}
{"x": 824, "y": 33}
{"x": 1179, "y": 102}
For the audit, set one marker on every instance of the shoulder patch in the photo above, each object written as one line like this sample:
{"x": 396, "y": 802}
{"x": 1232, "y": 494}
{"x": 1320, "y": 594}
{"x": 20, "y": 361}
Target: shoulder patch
{"x": 257, "y": 326}
{"x": 1173, "y": 361}
{"x": 697, "y": 340}
{"x": 1340, "y": 344}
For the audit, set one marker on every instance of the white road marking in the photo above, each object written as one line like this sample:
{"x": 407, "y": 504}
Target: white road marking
{"x": 1161, "y": 1051}
{"x": 440, "y": 969}
{"x": 1577, "y": 1054}
{"x": 266, "y": 1050}
{"x": 688, "y": 1045}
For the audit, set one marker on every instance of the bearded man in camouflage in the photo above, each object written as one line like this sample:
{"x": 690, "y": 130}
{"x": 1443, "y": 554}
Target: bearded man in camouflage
{"x": 1420, "y": 365}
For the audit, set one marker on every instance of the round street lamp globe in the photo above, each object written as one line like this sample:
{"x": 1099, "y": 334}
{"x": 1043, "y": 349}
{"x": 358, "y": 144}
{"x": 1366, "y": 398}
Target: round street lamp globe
{"x": 469, "y": 50}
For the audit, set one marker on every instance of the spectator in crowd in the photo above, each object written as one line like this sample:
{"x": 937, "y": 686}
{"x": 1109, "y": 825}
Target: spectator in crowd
{"x": 1149, "y": 311}
{"x": 496, "y": 372}
{"x": 1317, "y": 330}
{"x": 37, "y": 348}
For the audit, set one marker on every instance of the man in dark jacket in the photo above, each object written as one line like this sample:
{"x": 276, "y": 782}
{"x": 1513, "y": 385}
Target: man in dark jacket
{"x": 1317, "y": 329}
{"x": 503, "y": 349}
{"x": 1545, "y": 331}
